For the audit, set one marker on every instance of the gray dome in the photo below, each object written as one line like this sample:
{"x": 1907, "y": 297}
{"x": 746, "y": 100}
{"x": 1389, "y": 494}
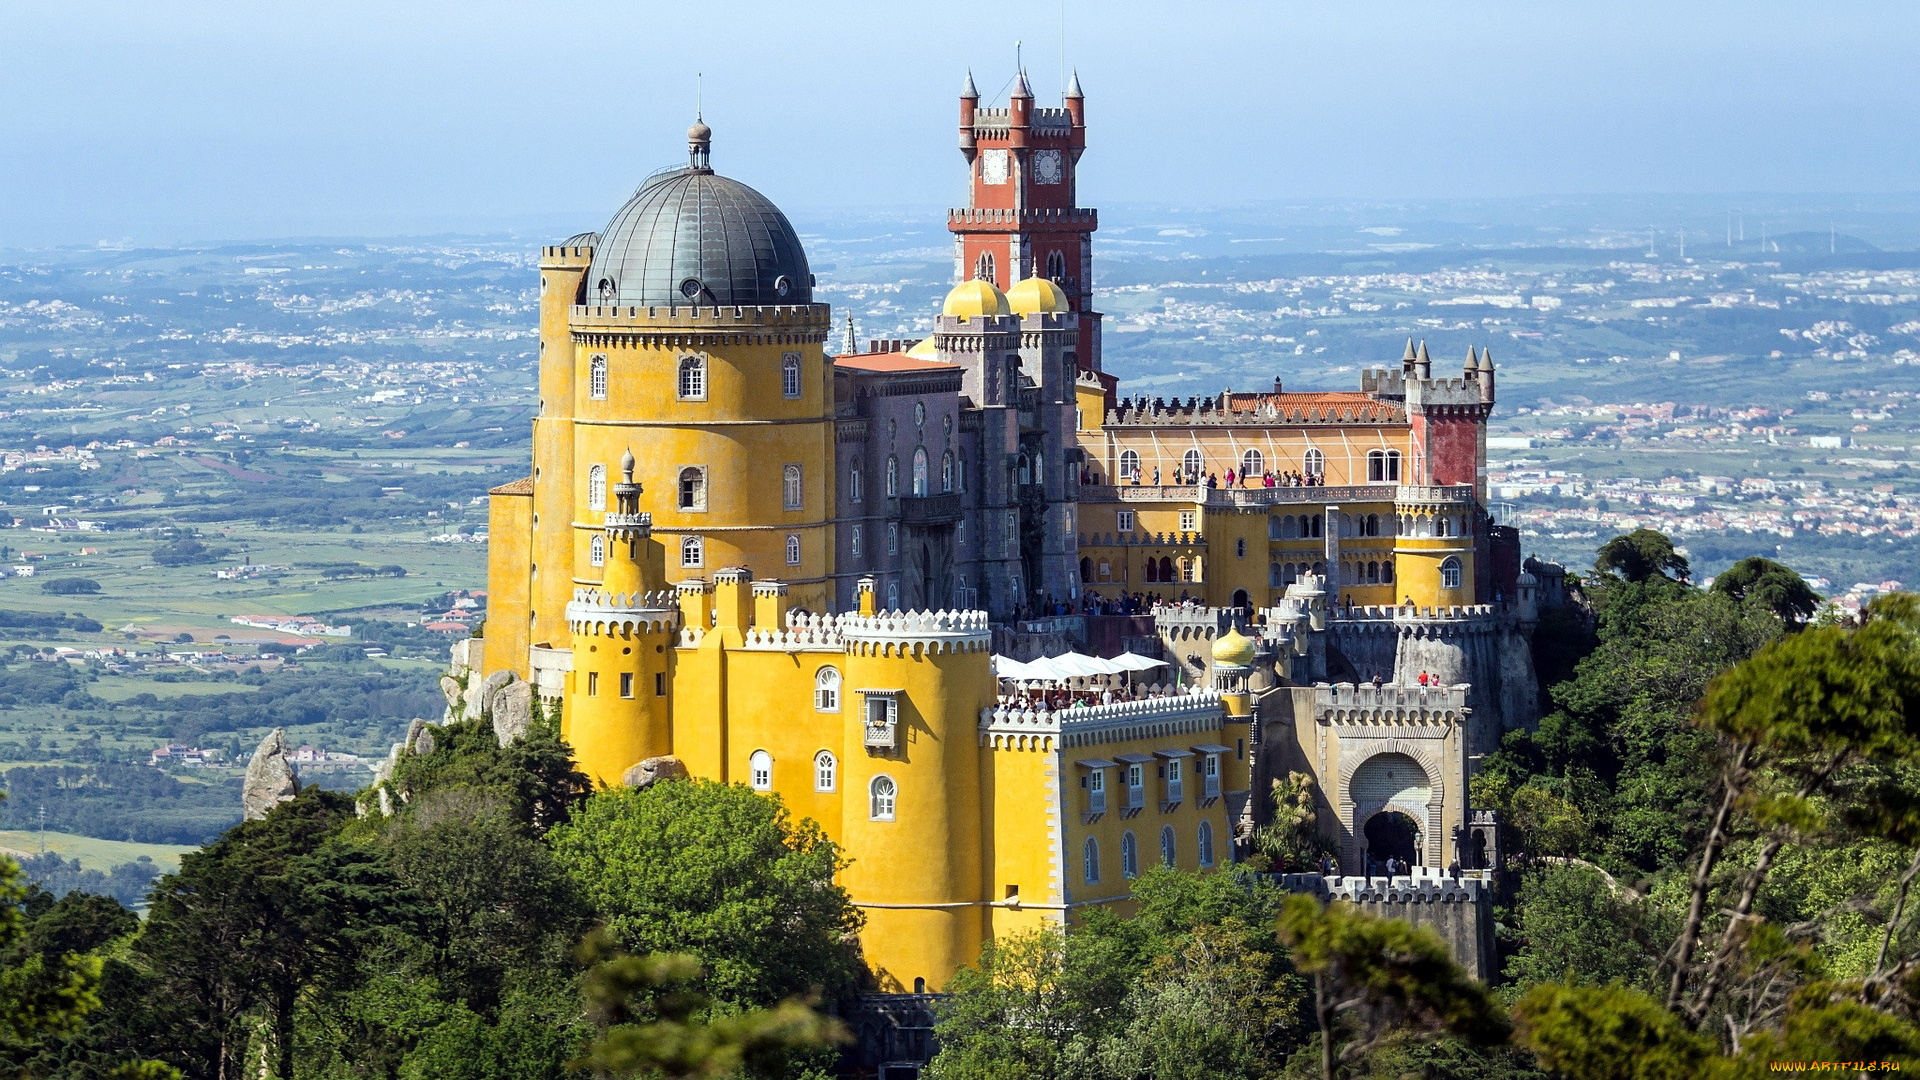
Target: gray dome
{"x": 585, "y": 239}
{"x": 691, "y": 236}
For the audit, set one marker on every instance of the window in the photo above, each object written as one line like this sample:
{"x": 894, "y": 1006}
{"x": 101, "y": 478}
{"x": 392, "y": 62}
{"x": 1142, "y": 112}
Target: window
{"x": 1190, "y": 465}
{"x": 946, "y": 471}
{"x": 824, "y": 769}
{"x": 960, "y": 473}
{"x": 790, "y": 375}
{"x": 1383, "y": 466}
{"x": 1129, "y": 856}
{"x": 826, "y": 690}
{"x": 1370, "y": 525}
{"x": 893, "y": 596}
{"x": 880, "y": 798}
{"x": 1386, "y": 572}
{"x": 1123, "y": 520}
{"x": 597, "y": 378}
{"x": 597, "y": 488}
{"x": 1056, "y": 265}
{"x": 790, "y": 487}
{"x": 1129, "y": 465}
{"x": 1090, "y": 861}
{"x": 1136, "y": 777}
{"x": 793, "y": 549}
{"x": 1187, "y": 520}
{"x": 692, "y": 552}
{"x": 1240, "y": 547}
{"x": 1252, "y": 464}
{"x": 983, "y": 266}
{"x": 693, "y": 488}
{"x": 693, "y": 378}
{"x": 626, "y": 684}
{"x": 893, "y": 477}
{"x": 760, "y": 770}
{"x": 597, "y": 550}
{"x": 1450, "y": 573}
{"x": 1314, "y": 463}
{"x": 919, "y": 470}
{"x": 960, "y": 533}
{"x": 855, "y": 545}
{"x": 1166, "y": 845}
{"x": 1443, "y": 526}
{"x": 893, "y": 539}
{"x": 1206, "y": 843}
{"x": 593, "y": 684}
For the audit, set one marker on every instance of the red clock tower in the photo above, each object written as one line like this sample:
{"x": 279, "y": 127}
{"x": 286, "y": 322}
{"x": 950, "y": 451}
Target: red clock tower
{"x": 1021, "y": 218}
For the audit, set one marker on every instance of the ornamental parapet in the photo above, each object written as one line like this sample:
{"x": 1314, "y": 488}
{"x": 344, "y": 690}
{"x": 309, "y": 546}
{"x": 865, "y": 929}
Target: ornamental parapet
{"x": 628, "y": 521}
{"x": 597, "y": 611}
{"x": 1143, "y": 539}
{"x": 1077, "y": 725}
{"x": 1425, "y": 885}
{"x": 1350, "y": 703}
{"x": 1413, "y": 613}
{"x": 804, "y": 631}
{"x": 917, "y": 632}
{"x": 1244, "y": 498}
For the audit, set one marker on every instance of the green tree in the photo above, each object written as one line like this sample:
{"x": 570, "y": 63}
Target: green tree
{"x": 1641, "y": 555}
{"x": 1378, "y": 978}
{"x": 1771, "y": 585}
{"x": 1607, "y": 1033}
{"x": 534, "y": 774}
{"x": 721, "y": 872}
{"x": 1020, "y": 1011}
{"x": 1577, "y": 925}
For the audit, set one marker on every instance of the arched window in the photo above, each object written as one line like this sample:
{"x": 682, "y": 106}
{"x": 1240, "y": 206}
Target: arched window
{"x": 1166, "y": 568}
{"x": 1317, "y": 525}
{"x": 1276, "y": 577}
{"x": 893, "y": 538}
{"x": 983, "y": 266}
{"x": 1206, "y": 843}
{"x": 1166, "y": 845}
{"x": 893, "y": 596}
{"x": 855, "y": 543}
{"x": 790, "y": 375}
{"x": 1386, "y": 572}
{"x": 1393, "y": 466}
{"x": 1314, "y": 463}
{"x": 1153, "y": 571}
{"x": 597, "y": 488}
{"x": 692, "y": 551}
{"x": 826, "y": 690}
{"x": 853, "y": 484}
{"x": 1443, "y": 526}
{"x": 1129, "y": 465}
{"x": 790, "y": 487}
{"x": 825, "y": 770}
{"x": 919, "y": 470}
{"x": 760, "y": 770}
{"x": 1057, "y": 265}
{"x": 946, "y": 471}
{"x": 1190, "y": 465}
{"x": 1090, "y": 861}
{"x": 1450, "y": 573}
{"x": 880, "y": 798}
{"x": 893, "y": 477}
{"x": 1373, "y": 526}
{"x": 693, "y": 488}
{"x": 1129, "y": 856}
{"x": 597, "y": 378}
{"x": 597, "y": 550}
{"x": 1252, "y": 464}
{"x": 960, "y": 473}
{"x": 1086, "y": 570}
{"x": 693, "y": 378}
{"x": 1026, "y": 469}
{"x": 1373, "y": 572}
{"x": 1376, "y": 466}
{"x": 793, "y": 549}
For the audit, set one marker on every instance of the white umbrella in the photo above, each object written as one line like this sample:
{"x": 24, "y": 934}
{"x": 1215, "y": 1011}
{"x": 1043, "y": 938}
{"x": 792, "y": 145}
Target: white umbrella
{"x": 1129, "y": 661}
{"x": 1077, "y": 666}
{"x": 1006, "y": 667}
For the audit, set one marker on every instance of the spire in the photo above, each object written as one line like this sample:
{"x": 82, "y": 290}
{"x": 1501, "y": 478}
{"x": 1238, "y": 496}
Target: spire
{"x": 1406, "y": 361}
{"x": 1020, "y": 88}
{"x": 626, "y": 466}
{"x": 1424, "y": 358}
{"x": 967, "y": 89}
{"x": 1423, "y": 367}
{"x": 1073, "y": 86}
{"x": 847, "y": 341}
{"x": 1486, "y": 359}
{"x": 1473, "y": 360}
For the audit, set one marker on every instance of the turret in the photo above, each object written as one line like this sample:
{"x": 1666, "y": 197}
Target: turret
{"x": 1471, "y": 370}
{"x": 1407, "y": 360}
{"x": 1019, "y": 112}
{"x": 1486, "y": 375}
{"x": 1076, "y": 103}
{"x": 1423, "y": 366}
{"x": 969, "y": 102}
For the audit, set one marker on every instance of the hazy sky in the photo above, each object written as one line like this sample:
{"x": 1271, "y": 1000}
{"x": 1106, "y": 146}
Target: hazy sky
{"x": 192, "y": 119}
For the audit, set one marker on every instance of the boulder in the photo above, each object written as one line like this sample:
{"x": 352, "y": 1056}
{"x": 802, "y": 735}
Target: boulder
{"x": 654, "y": 769}
{"x": 512, "y": 709}
{"x": 451, "y": 689}
{"x": 270, "y": 777}
{"x": 419, "y": 737}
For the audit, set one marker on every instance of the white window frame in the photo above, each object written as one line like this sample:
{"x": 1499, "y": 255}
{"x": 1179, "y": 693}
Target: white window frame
{"x": 854, "y": 543}
{"x": 1090, "y": 861}
{"x": 793, "y": 549}
{"x": 1450, "y": 572}
{"x": 793, "y": 488}
{"x": 853, "y": 484}
{"x": 1123, "y": 520}
{"x": 826, "y": 771}
{"x": 1313, "y": 462}
{"x": 893, "y": 477}
{"x": 597, "y": 377}
{"x": 1129, "y": 464}
{"x": 1169, "y": 847}
{"x": 826, "y": 690}
{"x": 946, "y": 471}
{"x": 1129, "y": 855}
{"x": 760, "y": 770}
{"x": 693, "y": 552}
{"x": 597, "y": 488}
{"x": 1252, "y": 464}
{"x": 697, "y": 504}
{"x": 883, "y": 799}
{"x": 690, "y": 382}
{"x": 893, "y": 538}
{"x": 1204, "y": 843}
{"x": 597, "y": 550}
{"x": 790, "y": 375}
{"x": 1189, "y": 520}
{"x": 920, "y": 476}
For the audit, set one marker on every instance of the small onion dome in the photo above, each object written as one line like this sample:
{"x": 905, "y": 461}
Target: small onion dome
{"x": 924, "y": 349}
{"x": 699, "y": 132}
{"x": 1234, "y": 649}
{"x": 1036, "y": 296}
{"x": 970, "y": 299}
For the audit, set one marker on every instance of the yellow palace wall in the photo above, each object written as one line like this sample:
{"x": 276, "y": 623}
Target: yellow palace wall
{"x": 1222, "y": 447}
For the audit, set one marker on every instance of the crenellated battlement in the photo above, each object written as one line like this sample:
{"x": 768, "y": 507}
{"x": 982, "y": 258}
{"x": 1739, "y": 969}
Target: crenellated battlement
{"x": 1082, "y": 725}
{"x": 599, "y": 612}
{"x": 916, "y": 632}
{"x": 1360, "y": 701}
{"x": 1425, "y": 885}
{"x": 1254, "y": 410}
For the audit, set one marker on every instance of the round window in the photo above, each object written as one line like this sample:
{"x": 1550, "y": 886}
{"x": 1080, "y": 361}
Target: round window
{"x": 690, "y": 288}
{"x": 782, "y": 285}
{"x": 919, "y": 414}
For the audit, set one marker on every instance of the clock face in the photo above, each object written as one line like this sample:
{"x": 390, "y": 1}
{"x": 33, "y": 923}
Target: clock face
{"x": 993, "y": 167}
{"x": 1047, "y": 167}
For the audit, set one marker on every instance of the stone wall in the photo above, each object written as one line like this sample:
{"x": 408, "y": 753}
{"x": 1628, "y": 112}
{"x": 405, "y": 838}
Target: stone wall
{"x": 1459, "y": 910}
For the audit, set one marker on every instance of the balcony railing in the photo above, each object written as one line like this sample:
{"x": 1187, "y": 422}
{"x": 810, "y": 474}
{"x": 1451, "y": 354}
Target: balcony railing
{"x": 1097, "y": 801}
{"x": 1210, "y": 786}
{"x": 1174, "y": 792}
{"x": 1136, "y": 798}
{"x": 941, "y": 509}
{"x": 1276, "y": 496}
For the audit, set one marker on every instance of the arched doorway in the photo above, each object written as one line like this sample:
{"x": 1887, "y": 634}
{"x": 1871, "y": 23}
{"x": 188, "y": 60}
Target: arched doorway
{"x": 1392, "y": 834}
{"x": 1241, "y": 600}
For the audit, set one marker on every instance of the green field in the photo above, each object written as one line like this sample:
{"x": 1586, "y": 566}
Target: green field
{"x": 102, "y": 855}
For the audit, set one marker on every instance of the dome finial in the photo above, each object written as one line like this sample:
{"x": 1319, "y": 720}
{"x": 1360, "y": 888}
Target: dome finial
{"x": 699, "y": 144}
{"x": 626, "y": 466}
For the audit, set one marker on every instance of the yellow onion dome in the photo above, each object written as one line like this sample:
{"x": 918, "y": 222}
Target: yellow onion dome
{"x": 1233, "y": 649}
{"x": 924, "y": 349}
{"x": 971, "y": 299}
{"x": 1036, "y": 296}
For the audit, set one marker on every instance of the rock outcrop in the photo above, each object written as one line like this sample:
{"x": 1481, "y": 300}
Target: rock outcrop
{"x": 271, "y": 779}
{"x": 655, "y": 769}
{"x": 419, "y": 737}
{"x": 512, "y": 709}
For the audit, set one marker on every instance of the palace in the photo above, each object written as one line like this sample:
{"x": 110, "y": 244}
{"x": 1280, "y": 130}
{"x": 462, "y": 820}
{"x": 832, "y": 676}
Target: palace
{"x": 794, "y": 570}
